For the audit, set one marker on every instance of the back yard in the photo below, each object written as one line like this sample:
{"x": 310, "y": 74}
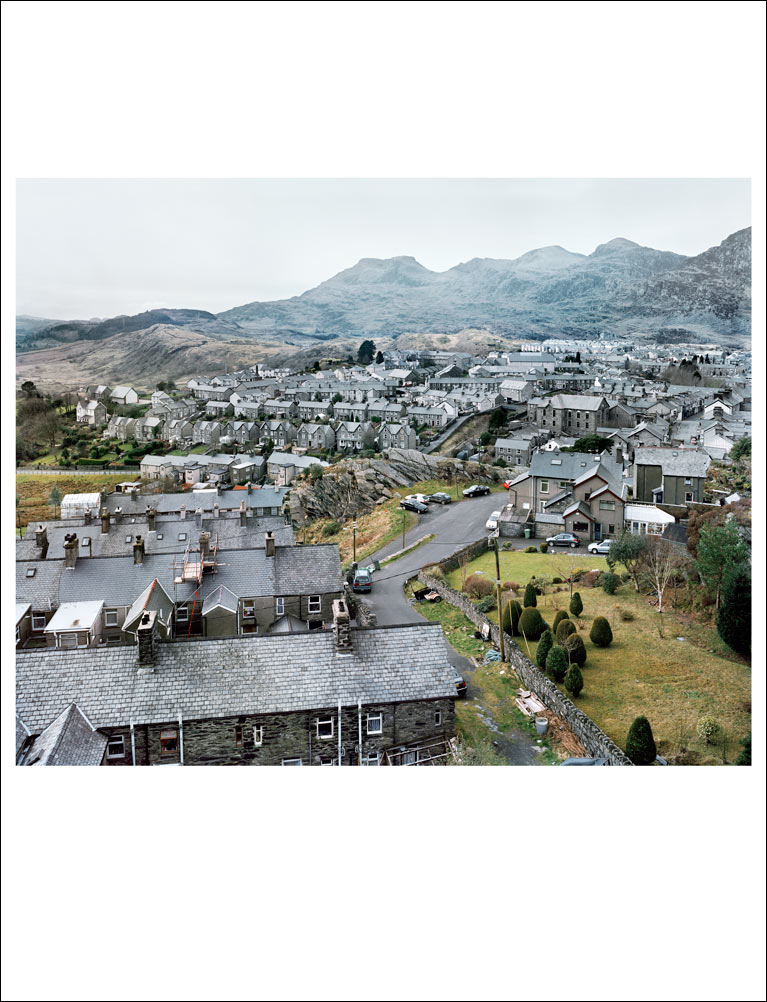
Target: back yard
{"x": 673, "y": 679}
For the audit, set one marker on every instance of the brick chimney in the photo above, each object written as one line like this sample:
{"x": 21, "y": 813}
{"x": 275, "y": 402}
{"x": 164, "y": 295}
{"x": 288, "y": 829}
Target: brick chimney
{"x": 71, "y": 547}
{"x": 151, "y": 517}
{"x": 204, "y": 545}
{"x": 243, "y": 515}
{"x": 145, "y": 635}
{"x": 41, "y": 540}
{"x": 105, "y": 517}
{"x": 138, "y": 551}
{"x": 342, "y": 631}
{"x": 269, "y": 543}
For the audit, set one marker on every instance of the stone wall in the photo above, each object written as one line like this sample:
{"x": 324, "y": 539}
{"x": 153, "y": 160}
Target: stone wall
{"x": 594, "y": 740}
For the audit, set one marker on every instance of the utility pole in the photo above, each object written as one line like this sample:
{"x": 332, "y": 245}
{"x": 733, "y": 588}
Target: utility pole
{"x": 404, "y": 527}
{"x": 498, "y": 598}
{"x": 354, "y": 539}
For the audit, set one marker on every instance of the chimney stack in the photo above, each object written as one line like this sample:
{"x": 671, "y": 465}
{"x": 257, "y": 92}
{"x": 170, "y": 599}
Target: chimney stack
{"x": 182, "y": 512}
{"x": 243, "y": 515}
{"x": 269, "y": 543}
{"x": 41, "y": 538}
{"x": 204, "y": 545}
{"x": 342, "y": 631}
{"x": 250, "y": 487}
{"x": 151, "y": 517}
{"x": 87, "y": 516}
{"x": 198, "y": 517}
{"x": 215, "y": 510}
{"x": 105, "y": 516}
{"x": 619, "y": 456}
{"x": 118, "y": 513}
{"x": 138, "y": 551}
{"x": 145, "y": 639}
{"x": 71, "y": 547}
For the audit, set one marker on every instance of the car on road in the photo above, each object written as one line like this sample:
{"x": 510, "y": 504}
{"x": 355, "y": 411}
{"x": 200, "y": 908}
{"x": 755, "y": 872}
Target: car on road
{"x": 564, "y": 539}
{"x": 476, "y": 491}
{"x": 439, "y": 498}
{"x": 362, "y": 580}
{"x": 492, "y": 522}
{"x": 423, "y": 498}
{"x": 603, "y": 546}
{"x": 410, "y": 505}
{"x": 460, "y": 682}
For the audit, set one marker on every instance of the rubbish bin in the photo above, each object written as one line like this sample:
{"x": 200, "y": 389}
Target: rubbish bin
{"x": 541, "y": 725}
{"x": 528, "y": 533}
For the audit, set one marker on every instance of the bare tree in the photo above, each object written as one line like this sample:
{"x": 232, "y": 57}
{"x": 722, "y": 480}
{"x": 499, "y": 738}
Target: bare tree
{"x": 661, "y": 562}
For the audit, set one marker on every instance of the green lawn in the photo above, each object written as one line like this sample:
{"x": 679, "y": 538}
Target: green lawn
{"x": 672, "y": 682}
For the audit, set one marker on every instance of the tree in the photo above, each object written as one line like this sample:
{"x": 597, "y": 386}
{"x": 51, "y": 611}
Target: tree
{"x": 592, "y": 443}
{"x": 640, "y": 744}
{"x": 511, "y": 613}
{"x": 733, "y": 622}
{"x": 578, "y": 357}
{"x": 530, "y": 598}
{"x": 741, "y": 448}
{"x": 54, "y": 498}
{"x": 661, "y": 562}
{"x": 601, "y": 635}
{"x": 336, "y": 398}
{"x": 564, "y": 629}
{"x": 556, "y": 664}
{"x": 720, "y": 550}
{"x": 366, "y": 353}
{"x": 316, "y": 471}
{"x": 368, "y": 439}
{"x": 744, "y": 755}
{"x": 531, "y": 624}
{"x": 379, "y": 358}
{"x": 629, "y": 550}
{"x": 575, "y": 649}
{"x": 28, "y": 388}
{"x": 561, "y": 614}
{"x": 497, "y": 419}
{"x": 544, "y": 646}
{"x": 574, "y": 680}
{"x": 576, "y": 604}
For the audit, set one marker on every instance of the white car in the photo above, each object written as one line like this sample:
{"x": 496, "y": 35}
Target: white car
{"x": 603, "y": 546}
{"x": 423, "y": 498}
{"x": 492, "y": 522}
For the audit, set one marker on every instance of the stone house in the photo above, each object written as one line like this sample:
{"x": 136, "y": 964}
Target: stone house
{"x": 351, "y": 436}
{"x": 179, "y": 430}
{"x": 385, "y": 411}
{"x": 281, "y": 408}
{"x": 148, "y": 429}
{"x": 433, "y": 417}
{"x": 397, "y": 436}
{"x": 284, "y": 467}
{"x": 566, "y": 414}
{"x": 316, "y": 436}
{"x": 516, "y": 391}
{"x": 281, "y": 433}
{"x": 351, "y": 411}
{"x": 671, "y": 476}
{"x": 91, "y": 412}
{"x": 314, "y": 410}
{"x": 124, "y": 396}
{"x": 120, "y": 428}
{"x": 207, "y": 432}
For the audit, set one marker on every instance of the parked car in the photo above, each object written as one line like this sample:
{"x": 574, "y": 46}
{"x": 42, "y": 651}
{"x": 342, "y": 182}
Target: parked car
{"x": 603, "y": 546}
{"x": 417, "y": 506}
{"x": 586, "y": 761}
{"x": 460, "y": 683}
{"x": 476, "y": 491}
{"x": 362, "y": 580}
{"x": 564, "y": 539}
{"x": 492, "y": 522}
{"x": 423, "y": 498}
{"x": 439, "y": 498}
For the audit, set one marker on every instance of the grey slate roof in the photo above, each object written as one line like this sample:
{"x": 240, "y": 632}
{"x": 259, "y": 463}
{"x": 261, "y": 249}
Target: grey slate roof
{"x": 68, "y": 740}
{"x": 41, "y": 591}
{"x": 674, "y": 462}
{"x": 263, "y": 497}
{"x": 570, "y": 465}
{"x": 241, "y": 675}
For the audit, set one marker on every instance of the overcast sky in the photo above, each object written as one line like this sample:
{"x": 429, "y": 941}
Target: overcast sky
{"x": 97, "y": 248}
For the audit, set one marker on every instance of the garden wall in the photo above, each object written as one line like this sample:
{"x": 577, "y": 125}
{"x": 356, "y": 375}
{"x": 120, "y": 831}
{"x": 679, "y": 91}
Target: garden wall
{"x": 593, "y": 739}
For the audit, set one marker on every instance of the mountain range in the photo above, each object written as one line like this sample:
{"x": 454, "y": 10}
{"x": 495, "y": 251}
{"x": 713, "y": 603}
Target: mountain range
{"x": 621, "y": 289}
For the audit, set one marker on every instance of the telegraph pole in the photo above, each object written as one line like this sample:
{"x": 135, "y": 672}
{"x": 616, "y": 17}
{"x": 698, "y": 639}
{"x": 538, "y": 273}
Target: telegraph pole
{"x": 354, "y": 538}
{"x": 404, "y": 527}
{"x": 498, "y": 598}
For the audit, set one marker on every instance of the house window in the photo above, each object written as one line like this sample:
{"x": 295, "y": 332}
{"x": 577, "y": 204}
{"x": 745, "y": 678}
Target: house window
{"x": 128, "y": 539}
{"x": 86, "y": 540}
{"x": 325, "y": 727}
{"x": 38, "y": 622}
{"x": 688, "y": 496}
{"x": 238, "y": 735}
{"x": 181, "y": 537}
{"x": 544, "y": 487}
{"x": 110, "y": 617}
{"x": 249, "y": 608}
{"x": 371, "y": 759}
{"x": 607, "y": 505}
{"x": 182, "y": 614}
{"x": 169, "y": 741}
{"x": 31, "y": 572}
{"x": 71, "y": 640}
{"x": 158, "y": 536}
{"x": 291, "y": 761}
{"x": 258, "y": 735}
{"x": 375, "y": 723}
{"x": 688, "y": 483}
{"x": 279, "y": 606}
{"x": 116, "y": 746}
{"x": 611, "y": 529}
{"x": 315, "y": 603}
{"x": 438, "y": 718}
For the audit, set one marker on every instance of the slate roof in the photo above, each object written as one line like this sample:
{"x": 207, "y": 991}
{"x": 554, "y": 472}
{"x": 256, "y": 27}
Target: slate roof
{"x": 240, "y": 675}
{"x": 263, "y": 497}
{"x": 569, "y": 465}
{"x": 674, "y": 462}
{"x": 40, "y": 591}
{"x": 68, "y": 740}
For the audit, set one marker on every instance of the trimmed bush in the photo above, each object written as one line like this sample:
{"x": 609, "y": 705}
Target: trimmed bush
{"x": 544, "y": 547}
{"x": 609, "y": 583}
{"x": 601, "y": 634}
{"x": 531, "y": 624}
{"x": 564, "y": 629}
{"x": 530, "y": 599}
{"x": 561, "y": 614}
{"x": 531, "y": 549}
{"x": 556, "y": 580}
{"x": 574, "y": 680}
{"x": 575, "y": 649}
{"x": 510, "y": 619}
{"x": 486, "y": 604}
{"x": 556, "y": 664}
{"x": 708, "y": 729}
{"x": 640, "y": 744}
{"x": 576, "y": 604}
{"x": 477, "y": 586}
{"x": 544, "y": 646}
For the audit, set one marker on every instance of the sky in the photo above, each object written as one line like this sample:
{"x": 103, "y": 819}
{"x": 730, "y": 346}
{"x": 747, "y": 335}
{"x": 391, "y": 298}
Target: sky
{"x": 99, "y": 248}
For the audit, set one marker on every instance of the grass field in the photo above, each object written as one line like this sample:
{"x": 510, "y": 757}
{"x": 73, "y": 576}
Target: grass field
{"x": 34, "y": 490}
{"x": 672, "y": 681}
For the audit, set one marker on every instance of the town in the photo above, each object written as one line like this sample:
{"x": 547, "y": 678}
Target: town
{"x": 349, "y": 563}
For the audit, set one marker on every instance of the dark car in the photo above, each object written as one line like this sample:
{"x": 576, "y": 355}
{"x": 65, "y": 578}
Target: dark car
{"x": 476, "y": 491}
{"x": 362, "y": 580}
{"x": 564, "y": 539}
{"x": 460, "y": 682}
{"x": 439, "y": 498}
{"x": 410, "y": 505}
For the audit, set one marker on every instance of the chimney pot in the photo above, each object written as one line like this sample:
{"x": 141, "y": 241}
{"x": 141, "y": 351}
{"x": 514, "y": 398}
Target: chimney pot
{"x": 269, "y": 543}
{"x": 71, "y": 547}
{"x": 138, "y": 550}
{"x": 182, "y": 512}
{"x": 105, "y": 517}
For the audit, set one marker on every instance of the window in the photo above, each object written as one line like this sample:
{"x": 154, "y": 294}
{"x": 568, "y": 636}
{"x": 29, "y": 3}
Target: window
{"x": 258, "y": 736}
{"x": 688, "y": 496}
{"x": 128, "y": 539}
{"x": 315, "y": 603}
{"x": 110, "y": 617}
{"x": 279, "y": 606}
{"x": 38, "y": 622}
{"x": 86, "y": 540}
{"x": 544, "y": 487}
{"x": 371, "y": 759}
{"x": 182, "y": 614}
{"x": 71, "y": 640}
{"x": 611, "y": 529}
{"x": 238, "y": 735}
{"x": 116, "y": 746}
{"x": 158, "y": 536}
{"x": 325, "y": 727}
{"x": 249, "y": 608}
{"x": 327, "y": 761}
{"x": 607, "y": 505}
{"x": 688, "y": 483}
{"x": 169, "y": 741}
{"x": 31, "y": 572}
{"x": 181, "y": 537}
{"x": 438, "y": 718}
{"x": 375, "y": 723}
{"x": 291, "y": 761}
